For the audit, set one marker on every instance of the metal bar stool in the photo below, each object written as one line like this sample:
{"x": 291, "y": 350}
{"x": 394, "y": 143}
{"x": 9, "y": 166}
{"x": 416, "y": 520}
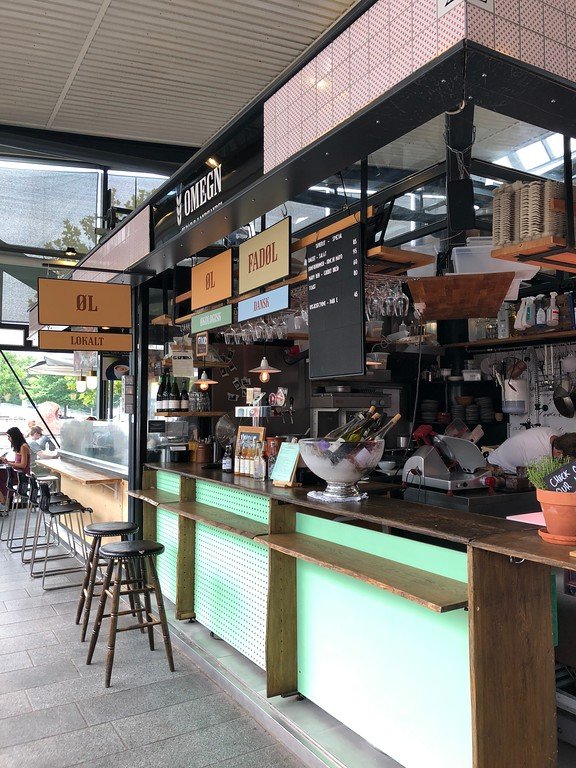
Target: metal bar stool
{"x": 20, "y": 499}
{"x": 53, "y": 514}
{"x": 10, "y": 501}
{"x": 141, "y": 554}
{"x": 98, "y": 531}
{"x": 34, "y": 506}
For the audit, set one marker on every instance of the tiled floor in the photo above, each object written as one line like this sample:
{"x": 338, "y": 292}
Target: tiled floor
{"x": 55, "y": 711}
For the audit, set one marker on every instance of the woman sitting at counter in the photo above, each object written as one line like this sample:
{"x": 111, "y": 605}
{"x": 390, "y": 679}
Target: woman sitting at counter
{"x": 530, "y": 445}
{"x": 21, "y": 460}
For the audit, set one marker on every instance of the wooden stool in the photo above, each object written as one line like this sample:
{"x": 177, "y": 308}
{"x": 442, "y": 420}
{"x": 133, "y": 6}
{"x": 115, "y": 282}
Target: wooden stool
{"x": 141, "y": 556}
{"x": 98, "y": 531}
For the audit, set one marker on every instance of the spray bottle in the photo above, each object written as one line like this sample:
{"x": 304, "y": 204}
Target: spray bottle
{"x": 552, "y": 313}
{"x": 520, "y": 316}
{"x": 530, "y": 317}
{"x": 540, "y": 311}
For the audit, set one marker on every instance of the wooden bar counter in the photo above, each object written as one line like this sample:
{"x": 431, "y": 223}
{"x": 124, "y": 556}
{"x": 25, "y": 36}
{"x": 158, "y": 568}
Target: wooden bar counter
{"x": 427, "y": 631}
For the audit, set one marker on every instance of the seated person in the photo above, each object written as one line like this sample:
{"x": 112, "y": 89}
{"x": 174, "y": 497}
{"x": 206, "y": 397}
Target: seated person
{"x": 20, "y": 459}
{"x": 530, "y": 445}
{"x": 41, "y": 447}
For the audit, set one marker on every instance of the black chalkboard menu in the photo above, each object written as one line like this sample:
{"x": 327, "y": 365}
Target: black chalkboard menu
{"x": 562, "y": 480}
{"x": 336, "y": 305}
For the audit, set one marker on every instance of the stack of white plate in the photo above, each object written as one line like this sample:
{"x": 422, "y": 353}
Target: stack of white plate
{"x": 554, "y": 221}
{"x": 429, "y": 410}
{"x": 486, "y": 406}
{"x": 525, "y": 212}
{"x": 536, "y": 209}
{"x": 506, "y": 215}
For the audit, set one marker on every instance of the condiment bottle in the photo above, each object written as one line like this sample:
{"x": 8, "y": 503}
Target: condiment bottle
{"x": 227, "y": 463}
{"x": 552, "y": 313}
{"x": 259, "y": 470}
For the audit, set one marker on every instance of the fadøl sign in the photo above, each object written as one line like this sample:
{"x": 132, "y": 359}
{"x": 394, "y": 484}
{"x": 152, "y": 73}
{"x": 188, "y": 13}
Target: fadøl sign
{"x": 83, "y": 303}
{"x": 265, "y": 258}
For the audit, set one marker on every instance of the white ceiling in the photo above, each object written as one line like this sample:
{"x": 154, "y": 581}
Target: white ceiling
{"x": 173, "y": 71}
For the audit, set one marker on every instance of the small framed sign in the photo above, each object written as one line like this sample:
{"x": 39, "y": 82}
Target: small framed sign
{"x": 285, "y": 468}
{"x": 563, "y": 480}
{"x": 249, "y": 436}
{"x": 201, "y": 344}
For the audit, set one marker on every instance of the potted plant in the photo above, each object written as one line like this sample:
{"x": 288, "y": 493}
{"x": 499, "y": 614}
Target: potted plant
{"x": 559, "y": 508}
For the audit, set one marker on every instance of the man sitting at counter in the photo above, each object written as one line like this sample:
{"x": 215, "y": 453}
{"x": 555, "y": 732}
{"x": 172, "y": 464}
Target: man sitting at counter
{"x": 41, "y": 447}
{"x": 530, "y": 445}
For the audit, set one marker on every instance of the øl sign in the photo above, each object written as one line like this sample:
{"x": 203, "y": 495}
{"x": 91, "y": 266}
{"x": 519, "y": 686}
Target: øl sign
{"x": 83, "y": 303}
{"x": 212, "y": 280}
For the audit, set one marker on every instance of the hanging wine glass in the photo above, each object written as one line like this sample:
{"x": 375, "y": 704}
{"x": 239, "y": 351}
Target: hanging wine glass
{"x": 402, "y": 303}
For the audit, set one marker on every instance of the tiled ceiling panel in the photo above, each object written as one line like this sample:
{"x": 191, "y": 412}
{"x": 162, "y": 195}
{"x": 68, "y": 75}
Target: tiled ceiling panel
{"x": 160, "y": 70}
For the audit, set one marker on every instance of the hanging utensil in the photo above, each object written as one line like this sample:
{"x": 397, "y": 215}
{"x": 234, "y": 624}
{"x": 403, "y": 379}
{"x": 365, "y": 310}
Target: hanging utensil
{"x": 564, "y": 397}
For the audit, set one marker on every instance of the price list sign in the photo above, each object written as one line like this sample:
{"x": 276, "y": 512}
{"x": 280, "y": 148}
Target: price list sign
{"x": 336, "y": 305}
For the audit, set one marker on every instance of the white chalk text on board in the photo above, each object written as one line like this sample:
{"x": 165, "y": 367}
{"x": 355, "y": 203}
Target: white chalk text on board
{"x": 563, "y": 480}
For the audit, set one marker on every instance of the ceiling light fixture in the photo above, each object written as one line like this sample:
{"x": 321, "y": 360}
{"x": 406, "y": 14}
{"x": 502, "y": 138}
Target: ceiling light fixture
{"x": 212, "y": 162}
{"x": 92, "y": 380}
{"x": 264, "y": 370}
{"x": 204, "y": 382}
{"x": 81, "y": 384}
{"x": 70, "y": 252}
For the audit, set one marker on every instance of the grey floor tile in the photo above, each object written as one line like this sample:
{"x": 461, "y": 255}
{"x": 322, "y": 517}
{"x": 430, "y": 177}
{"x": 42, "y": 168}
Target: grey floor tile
{"x": 12, "y": 661}
{"x": 27, "y": 614}
{"x": 274, "y": 756}
{"x": 176, "y": 720}
{"x": 204, "y": 747}
{"x": 165, "y": 693}
{"x": 31, "y": 726}
{"x": 34, "y": 677}
{"x": 52, "y": 597}
{"x": 7, "y": 595}
{"x": 27, "y": 642}
{"x": 14, "y": 703}
{"x": 67, "y": 608}
{"x": 63, "y": 750}
{"x": 34, "y": 626}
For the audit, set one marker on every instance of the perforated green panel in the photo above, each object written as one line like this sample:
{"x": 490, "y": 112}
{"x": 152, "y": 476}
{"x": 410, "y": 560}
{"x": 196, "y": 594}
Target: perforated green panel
{"x": 231, "y": 590}
{"x": 167, "y": 534}
{"x": 232, "y": 500}
{"x": 168, "y": 481}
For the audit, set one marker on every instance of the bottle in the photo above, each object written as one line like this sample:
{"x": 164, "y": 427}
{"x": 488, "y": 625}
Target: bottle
{"x": 552, "y": 313}
{"x": 540, "y": 311}
{"x": 381, "y": 433}
{"x": 160, "y": 394}
{"x": 503, "y": 323}
{"x": 354, "y": 421}
{"x": 174, "y": 402}
{"x": 237, "y": 462}
{"x": 250, "y": 451}
{"x": 530, "y": 317}
{"x": 244, "y": 464}
{"x": 369, "y": 425}
{"x": 167, "y": 392}
{"x": 184, "y": 399}
{"x": 259, "y": 470}
{"x": 354, "y": 433}
{"x": 227, "y": 462}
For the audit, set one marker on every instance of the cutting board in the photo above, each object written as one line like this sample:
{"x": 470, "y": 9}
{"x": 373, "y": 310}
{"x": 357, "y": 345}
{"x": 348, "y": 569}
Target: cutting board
{"x": 457, "y": 297}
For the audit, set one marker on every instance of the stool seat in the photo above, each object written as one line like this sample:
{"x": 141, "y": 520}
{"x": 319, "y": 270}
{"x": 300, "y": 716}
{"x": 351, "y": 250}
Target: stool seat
{"x": 123, "y": 549}
{"x": 64, "y": 509}
{"x": 116, "y": 528}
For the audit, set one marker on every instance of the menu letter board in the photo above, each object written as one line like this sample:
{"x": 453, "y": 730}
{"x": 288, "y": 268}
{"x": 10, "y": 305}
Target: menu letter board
{"x": 78, "y": 302}
{"x": 212, "y": 280}
{"x": 336, "y": 305}
{"x": 265, "y": 258}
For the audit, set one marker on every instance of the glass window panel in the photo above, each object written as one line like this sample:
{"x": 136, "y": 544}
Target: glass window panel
{"x": 17, "y": 298}
{"x": 11, "y": 337}
{"x": 129, "y": 190}
{"x": 419, "y": 208}
{"x": 48, "y": 206}
{"x": 533, "y": 156}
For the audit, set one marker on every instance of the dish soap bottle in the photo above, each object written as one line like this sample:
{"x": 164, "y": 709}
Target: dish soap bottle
{"x": 530, "y": 317}
{"x": 502, "y": 320}
{"x": 552, "y": 313}
{"x": 540, "y": 311}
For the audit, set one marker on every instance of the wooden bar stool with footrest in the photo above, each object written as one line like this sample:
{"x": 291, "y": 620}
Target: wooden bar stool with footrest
{"x": 141, "y": 555}
{"x": 98, "y": 531}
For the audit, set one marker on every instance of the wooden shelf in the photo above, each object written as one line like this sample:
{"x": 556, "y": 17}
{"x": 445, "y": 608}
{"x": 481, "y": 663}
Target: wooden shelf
{"x": 438, "y": 593}
{"x": 394, "y": 261}
{"x": 219, "y": 518}
{"x": 183, "y": 297}
{"x": 162, "y": 320}
{"x": 190, "y": 413}
{"x": 514, "y": 341}
{"x": 154, "y": 496}
{"x": 544, "y": 252}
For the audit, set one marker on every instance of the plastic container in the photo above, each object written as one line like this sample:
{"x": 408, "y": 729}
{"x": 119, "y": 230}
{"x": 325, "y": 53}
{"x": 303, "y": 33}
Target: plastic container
{"x": 477, "y": 259}
{"x": 430, "y": 269}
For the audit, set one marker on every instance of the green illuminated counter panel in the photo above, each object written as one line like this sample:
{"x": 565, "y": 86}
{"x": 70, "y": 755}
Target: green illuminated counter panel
{"x": 370, "y": 620}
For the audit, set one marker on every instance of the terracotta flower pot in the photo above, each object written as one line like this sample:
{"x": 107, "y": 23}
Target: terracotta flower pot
{"x": 559, "y": 512}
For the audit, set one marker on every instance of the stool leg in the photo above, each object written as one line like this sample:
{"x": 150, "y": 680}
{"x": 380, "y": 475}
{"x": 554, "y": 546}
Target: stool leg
{"x": 161, "y": 613}
{"x": 134, "y": 598}
{"x": 87, "y": 575}
{"x": 113, "y": 625}
{"x": 90, "y": 588}
{"x": 147, "y": 602}
{"x": 100, "y": 611}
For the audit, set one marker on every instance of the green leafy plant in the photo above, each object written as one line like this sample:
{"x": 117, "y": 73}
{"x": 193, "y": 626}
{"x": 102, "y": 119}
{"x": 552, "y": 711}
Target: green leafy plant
{"x": 539, "y": 469}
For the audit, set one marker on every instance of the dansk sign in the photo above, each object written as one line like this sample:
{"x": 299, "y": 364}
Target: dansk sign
{"x": 83, "y": 303}
{"x": 272, "y": 301}
{"x": 198, "y": 194}
{"x": 265, "y": 258}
